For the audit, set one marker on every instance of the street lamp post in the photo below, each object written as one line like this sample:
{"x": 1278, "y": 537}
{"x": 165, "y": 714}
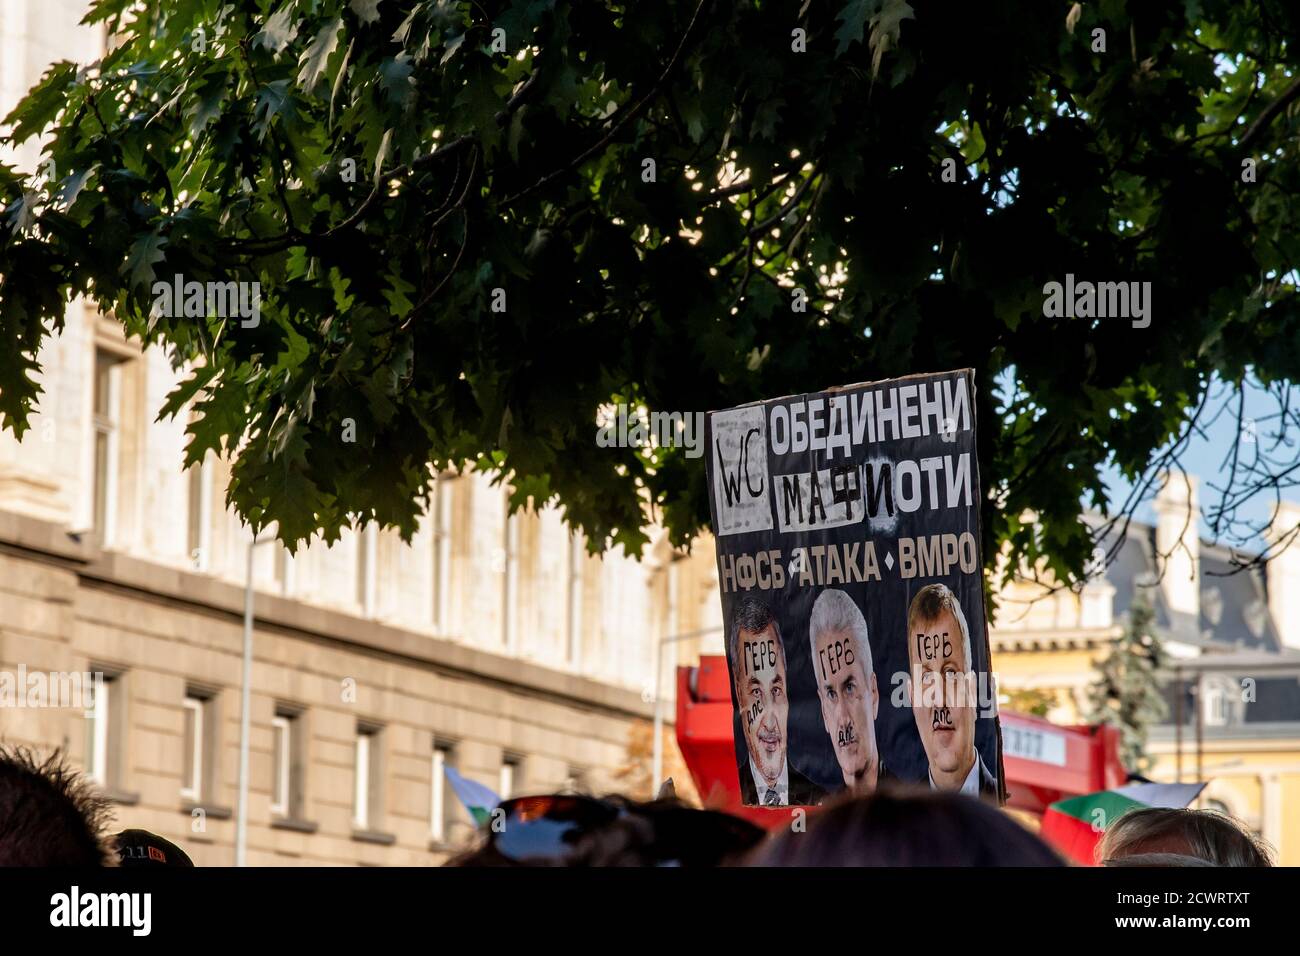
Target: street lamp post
{"x": 657, "y": 766}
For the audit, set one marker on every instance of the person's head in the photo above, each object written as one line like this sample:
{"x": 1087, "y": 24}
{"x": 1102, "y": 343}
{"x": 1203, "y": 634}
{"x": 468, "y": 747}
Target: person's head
{"x": 578, "y": 831}
{"x": 897, "y": 826}
{"x": 758, "y": 666}
{"x": 939, "y": 658}
{"x": 1147, "y": 861}
{"x": 1205, "y": 834}
{"x": 846, "y": 685}
{"x": 49, "y": 814}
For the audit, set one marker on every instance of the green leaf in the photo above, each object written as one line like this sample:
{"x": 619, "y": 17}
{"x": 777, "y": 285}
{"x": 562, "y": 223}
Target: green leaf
{"x": 292, "y": 500}
{"x": 209, "y": 107}
{"x": 450, "y": 48}
{"x": 314, "y": 59}
{"x": 272, "y": 100}
{"x": 886, "y": 28}
{"x": 340, "y": 77}
{"x": 853, "y": 17}
{"x": 381, "y": 155}
{"x": 395, "y": 78}
{"x": 102, "y": 10}
{"x": 220, "y": 422}
{"x": 398, "y": 296}
{"x": 21, "y": 213}
{"x": 145, "y": 253}
{"x": 21, "y": 388}
{"x": 39, "y": 107}
{"x": 297, "y": 350}
{"x": 339, "y": 287}
{"x": 367, "y": 11}
{"x": 72, "y": 185}
{"x": 281, "y": 27}
{"x": 179, "y": 397}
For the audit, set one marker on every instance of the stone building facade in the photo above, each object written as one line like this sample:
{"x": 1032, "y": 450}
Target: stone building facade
{"x": 491, "y": 643}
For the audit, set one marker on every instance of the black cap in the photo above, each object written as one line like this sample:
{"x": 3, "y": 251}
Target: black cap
{"x": 142, "y": 848}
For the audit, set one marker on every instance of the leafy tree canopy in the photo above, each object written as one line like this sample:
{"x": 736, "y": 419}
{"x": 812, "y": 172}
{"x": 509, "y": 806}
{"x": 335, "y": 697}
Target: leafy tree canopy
{"x": 383, "y": 167}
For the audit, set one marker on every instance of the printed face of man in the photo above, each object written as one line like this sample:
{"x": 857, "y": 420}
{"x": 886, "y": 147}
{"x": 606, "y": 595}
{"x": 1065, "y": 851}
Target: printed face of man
{"x": 942, "y": 703}
{"x": 850, "y": 703}
{"x": 761, "y": 690}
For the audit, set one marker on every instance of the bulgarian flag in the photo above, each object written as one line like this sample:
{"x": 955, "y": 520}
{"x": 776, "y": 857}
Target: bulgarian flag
{"x": 478, "y": 799}
{"x": 1075, "y": 826}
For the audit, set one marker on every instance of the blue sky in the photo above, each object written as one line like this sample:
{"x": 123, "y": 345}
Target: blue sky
{"x": 1205, "y": 455}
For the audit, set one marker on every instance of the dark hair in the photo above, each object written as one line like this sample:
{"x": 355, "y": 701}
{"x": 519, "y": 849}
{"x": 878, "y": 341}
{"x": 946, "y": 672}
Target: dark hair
{"x": 661, "y": 832}
{"x": 752, "y": 616}
{"x": 50, "y": 815}
{"x": 898, "y": 826}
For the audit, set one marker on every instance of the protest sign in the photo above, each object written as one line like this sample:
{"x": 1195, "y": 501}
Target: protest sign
{"x": 849, "y": 564}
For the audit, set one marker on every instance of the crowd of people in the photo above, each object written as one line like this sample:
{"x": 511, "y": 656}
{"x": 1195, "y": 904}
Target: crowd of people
{"x": 50, "y": 815}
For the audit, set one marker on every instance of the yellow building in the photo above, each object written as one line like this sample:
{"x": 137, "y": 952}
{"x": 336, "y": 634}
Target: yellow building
{"x": 1233, "y": 642}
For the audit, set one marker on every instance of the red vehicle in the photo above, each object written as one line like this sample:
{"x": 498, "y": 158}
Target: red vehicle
{"x": 1043, "y": 762}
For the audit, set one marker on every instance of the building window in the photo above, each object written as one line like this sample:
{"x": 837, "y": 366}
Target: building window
{"x": 366, "y": 778}
{"x": 441, "y": 578}
{"x": 105, "y": 726}
{"x": 200, "y": 745}
{"x": 511, "y": 776}
{"x": 192, "y": 775}
{"x": 510, "y": 577}
{"x": 573, "y": 619}
{"x": 97, "y": 733}
{"x": 286, "y": 763}
{"x": 107, "y": 425}
{"x": 284, "y": 569}
{"x": 281, "y": 748}
{"x": 1221, "y": 703}
{"x": 366, "y": 570}
{"x": 200, "y": 516}
{"x": 439, "y": 804}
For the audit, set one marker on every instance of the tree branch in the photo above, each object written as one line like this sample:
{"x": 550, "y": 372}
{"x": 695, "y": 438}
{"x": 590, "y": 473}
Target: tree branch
{"x": 1269, "y": 112}
{"x": 626, "y": 118}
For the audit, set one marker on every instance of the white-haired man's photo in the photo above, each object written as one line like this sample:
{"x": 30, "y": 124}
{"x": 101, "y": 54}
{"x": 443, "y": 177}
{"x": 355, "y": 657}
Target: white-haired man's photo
{"x": 846, "y": 686}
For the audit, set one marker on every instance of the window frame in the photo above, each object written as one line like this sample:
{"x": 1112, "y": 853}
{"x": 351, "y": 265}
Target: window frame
{"x": 192, "y": 789}
{"x": 366, "y": 579}
{"x": 440, "y": 579}
{"x": 512, "y": 765}
{"x": 440, "y": 806}
{"x": 367, "y": 788}
{"x": 106, "y": 432}
{"x": 101, "y": 714}
{"x": 198, "y": 544}
{"x": 282, "y": 726}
